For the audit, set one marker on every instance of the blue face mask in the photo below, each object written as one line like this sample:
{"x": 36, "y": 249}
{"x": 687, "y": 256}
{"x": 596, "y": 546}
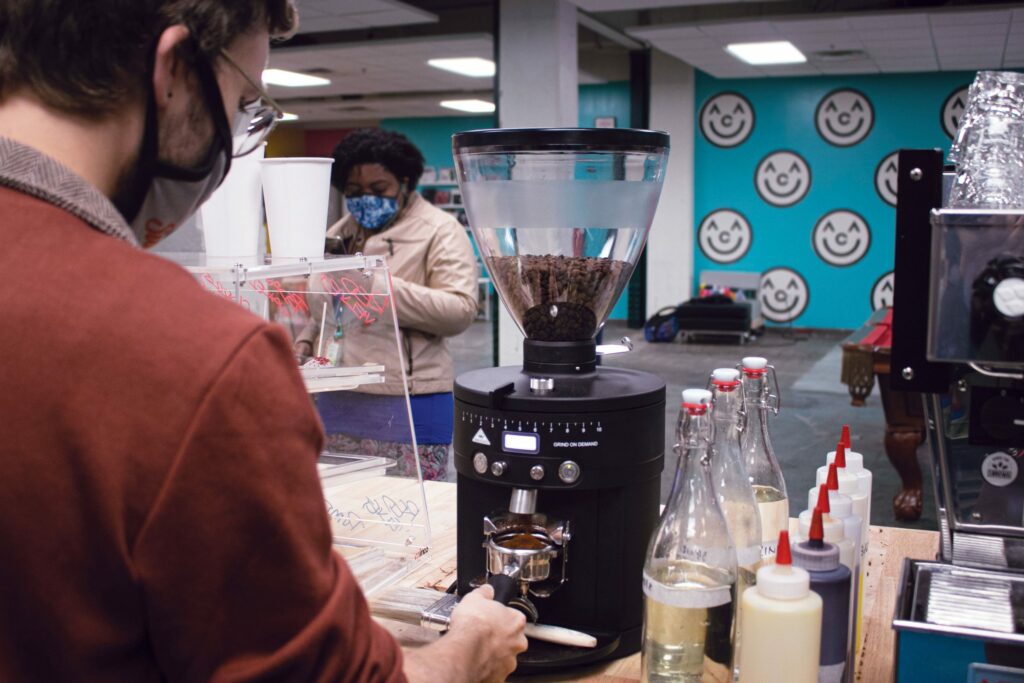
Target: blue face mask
{"x": 372, "y": 212}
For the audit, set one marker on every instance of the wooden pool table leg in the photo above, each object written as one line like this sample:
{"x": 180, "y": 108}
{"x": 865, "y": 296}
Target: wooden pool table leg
{"x": 904, "y": 432}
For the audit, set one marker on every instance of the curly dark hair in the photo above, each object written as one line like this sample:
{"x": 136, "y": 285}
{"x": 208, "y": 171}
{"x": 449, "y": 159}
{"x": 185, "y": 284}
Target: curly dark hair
{"x": 87, "y": 57}
{"x": 391, "y": 150}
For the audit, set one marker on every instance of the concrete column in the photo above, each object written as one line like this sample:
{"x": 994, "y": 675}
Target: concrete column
{"x": 537, "y": 88}
{"x": 670, "y": 245}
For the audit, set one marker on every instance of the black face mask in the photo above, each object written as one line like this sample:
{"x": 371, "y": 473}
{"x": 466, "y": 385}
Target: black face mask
{"x": 161, "y": 195}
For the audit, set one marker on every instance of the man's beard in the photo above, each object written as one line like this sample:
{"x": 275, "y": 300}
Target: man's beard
{"x": 183, "y": 140}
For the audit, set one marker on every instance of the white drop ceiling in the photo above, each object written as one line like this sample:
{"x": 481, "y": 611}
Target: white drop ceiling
{"x": 390, "y": 78}
{"x": 318, "y": 16}
{"x": 393, "y": 76}
{"x": 887, "y": 43}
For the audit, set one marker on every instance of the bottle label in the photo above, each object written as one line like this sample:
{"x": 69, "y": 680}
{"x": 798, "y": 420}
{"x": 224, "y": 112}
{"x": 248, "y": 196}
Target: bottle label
{"x": 769, "y": 550}
{"x": 689, "y": 597}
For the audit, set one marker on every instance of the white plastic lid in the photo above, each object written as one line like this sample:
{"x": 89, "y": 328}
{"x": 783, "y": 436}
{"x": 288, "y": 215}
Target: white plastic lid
{"x": 849, "y": 483}
{"x": 835, "y": 530}
{"x": 854, "y": 460}
{"x": 755, "y": 363}
{"x": 726, "y": 375}
{"x": 783, "y": 582}
{"x": 697, "y": 397}
{"x": 840, "y": 504}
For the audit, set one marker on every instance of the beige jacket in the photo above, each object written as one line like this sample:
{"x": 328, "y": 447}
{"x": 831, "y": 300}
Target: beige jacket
{"x": 434, "y": 279}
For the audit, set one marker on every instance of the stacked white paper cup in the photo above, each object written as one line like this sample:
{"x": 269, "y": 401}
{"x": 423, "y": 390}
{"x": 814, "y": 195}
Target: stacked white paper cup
{"x": 296, "y": 191}
{"x": 233, "y": 215}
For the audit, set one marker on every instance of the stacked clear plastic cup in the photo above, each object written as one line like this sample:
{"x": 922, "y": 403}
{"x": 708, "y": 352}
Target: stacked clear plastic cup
{"x": 989, "y": 146}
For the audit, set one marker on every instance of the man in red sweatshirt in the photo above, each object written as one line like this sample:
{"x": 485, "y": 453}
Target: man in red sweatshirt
{"x": 160, "y": 512}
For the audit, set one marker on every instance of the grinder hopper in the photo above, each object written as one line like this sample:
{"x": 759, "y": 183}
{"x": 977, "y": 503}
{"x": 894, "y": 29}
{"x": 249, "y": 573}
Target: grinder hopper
{"x": 560, "y": 217}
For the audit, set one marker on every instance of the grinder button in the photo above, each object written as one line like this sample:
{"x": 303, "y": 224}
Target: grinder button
{"x": 568, "y": 472}
{"x": 498, "y": 468}
{"x": 479, "y": 462}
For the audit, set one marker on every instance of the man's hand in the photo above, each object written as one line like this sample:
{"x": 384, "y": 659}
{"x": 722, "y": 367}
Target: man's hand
{"x": 480, "y": 647}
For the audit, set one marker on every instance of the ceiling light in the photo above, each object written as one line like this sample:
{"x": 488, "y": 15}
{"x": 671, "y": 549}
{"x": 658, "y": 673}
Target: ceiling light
{"x": 777, "y": 52}
{"x": 465, "y": 66}
{"x": 291, "y": 79}
{"x": 289, "y": 117}
{"x": 472, "y": 106}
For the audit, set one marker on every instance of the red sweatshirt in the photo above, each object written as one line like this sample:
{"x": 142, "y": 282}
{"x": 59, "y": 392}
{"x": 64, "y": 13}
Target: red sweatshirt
{"x": 160, "y": 512}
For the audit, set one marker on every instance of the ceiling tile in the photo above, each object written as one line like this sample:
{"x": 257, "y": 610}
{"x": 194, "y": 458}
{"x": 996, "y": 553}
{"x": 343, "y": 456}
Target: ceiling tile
{"x": 752, "y": 30}
{"x": 888, "y": 21}
{"x": 799, "y": 27}
{"x": 962, "y": 19}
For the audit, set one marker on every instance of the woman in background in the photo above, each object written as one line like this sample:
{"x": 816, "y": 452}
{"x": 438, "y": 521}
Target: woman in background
{"x": 434, "y": 281}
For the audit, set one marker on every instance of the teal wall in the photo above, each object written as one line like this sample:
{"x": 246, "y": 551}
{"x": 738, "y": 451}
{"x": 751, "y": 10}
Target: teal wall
{"x": 434, "y": 135}
{"x": 907, "y": 113}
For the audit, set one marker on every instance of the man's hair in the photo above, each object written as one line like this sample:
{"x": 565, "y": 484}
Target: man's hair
{"x": 391, "y": 150}
{"x": 88, "y": 57}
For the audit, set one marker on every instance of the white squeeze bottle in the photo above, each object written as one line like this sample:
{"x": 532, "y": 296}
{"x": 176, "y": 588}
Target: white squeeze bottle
{"x": 781, "y": 624}
{"x": 758, "y": 455}
{"x": 842, "y": 509}
{"x": 835, "y": 532}
{"x": 855, "y": 466}
{"x": 852, "y": 485}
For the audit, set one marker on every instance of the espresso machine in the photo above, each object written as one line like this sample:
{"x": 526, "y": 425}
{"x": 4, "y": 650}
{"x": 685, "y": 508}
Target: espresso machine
{"x": 961, "y": 617}
{"x": 559, "y": 460}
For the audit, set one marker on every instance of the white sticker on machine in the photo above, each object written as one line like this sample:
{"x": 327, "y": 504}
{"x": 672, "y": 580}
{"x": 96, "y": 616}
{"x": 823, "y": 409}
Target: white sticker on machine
{"x": 999, "y": 469}
{"x": 481, "y": 438}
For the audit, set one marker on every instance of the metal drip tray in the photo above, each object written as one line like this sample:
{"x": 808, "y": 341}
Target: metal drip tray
{"x": 950, "y": 618}
{"x": 948, "y": 596}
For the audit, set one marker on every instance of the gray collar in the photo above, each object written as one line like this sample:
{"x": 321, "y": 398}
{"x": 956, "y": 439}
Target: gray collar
{"x": 28, "y": 170}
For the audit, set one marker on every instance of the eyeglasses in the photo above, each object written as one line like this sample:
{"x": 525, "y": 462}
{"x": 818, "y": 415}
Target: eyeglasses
{"x": 254, "y": 122}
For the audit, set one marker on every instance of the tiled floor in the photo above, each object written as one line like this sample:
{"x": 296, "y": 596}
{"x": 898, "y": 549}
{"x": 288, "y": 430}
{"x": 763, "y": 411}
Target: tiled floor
{"x": 814, "y": 403}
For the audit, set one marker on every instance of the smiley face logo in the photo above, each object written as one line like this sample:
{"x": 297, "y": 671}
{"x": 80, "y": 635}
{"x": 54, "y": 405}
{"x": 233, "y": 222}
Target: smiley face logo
{"x": 844, "y": 117}
{"x": 727, "y": 119}
{"x": 782, "y": 178}
{"x": 952, "y": 110}
{"x": 841, "y": 237}
{"x": 882, "y": 293}
{"x": 784, "y": 294}
{"x": 725, "y": 236}
{"x": 886, "y": 175}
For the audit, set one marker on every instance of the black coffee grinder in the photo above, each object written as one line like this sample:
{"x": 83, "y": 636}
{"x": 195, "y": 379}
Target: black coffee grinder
{"x": 559, "y": 461}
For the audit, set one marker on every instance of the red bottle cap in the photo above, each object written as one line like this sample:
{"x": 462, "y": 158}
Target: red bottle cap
{"x": 816, "y": 535}
{"x": 783, "y": 554}
{"x": 832, "y": 481}
{"x": 840, "y": 455}
{"x": 845, "y": 438}
{"x": 822, "y": 503}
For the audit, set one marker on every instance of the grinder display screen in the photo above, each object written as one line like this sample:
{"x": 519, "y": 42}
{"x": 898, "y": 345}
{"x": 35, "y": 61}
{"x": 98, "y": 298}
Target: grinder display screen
{"x": 520, "y": 443}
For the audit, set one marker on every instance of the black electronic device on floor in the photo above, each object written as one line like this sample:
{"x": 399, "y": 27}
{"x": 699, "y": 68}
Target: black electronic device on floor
{"x": 559, "y": 461}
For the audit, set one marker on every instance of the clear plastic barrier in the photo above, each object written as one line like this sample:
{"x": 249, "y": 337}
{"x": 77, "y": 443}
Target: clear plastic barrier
{"x": 339, "y": 315}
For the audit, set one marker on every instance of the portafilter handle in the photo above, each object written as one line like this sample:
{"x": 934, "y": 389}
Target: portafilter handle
{"x": 505, "y": 587}
{"x": 506, "y": 591}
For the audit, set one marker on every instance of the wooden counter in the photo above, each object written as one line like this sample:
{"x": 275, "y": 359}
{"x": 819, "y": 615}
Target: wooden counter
{"x": 888, "y": 548}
